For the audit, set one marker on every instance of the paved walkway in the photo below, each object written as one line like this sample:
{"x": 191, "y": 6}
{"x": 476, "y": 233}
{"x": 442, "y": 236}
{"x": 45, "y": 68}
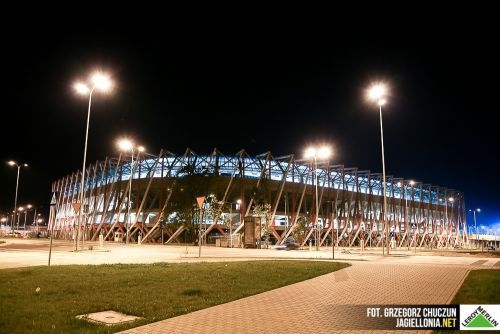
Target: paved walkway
{"x": 319, "y": 305}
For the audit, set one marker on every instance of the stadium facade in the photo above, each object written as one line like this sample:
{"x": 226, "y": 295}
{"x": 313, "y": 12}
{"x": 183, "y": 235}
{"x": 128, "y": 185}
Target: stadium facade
{"x": 184, "y": 198}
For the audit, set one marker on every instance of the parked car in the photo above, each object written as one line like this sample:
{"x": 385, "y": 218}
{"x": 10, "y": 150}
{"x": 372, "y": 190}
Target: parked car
{"x": 289, "y": 244}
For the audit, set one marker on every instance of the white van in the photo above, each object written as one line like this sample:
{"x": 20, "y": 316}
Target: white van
{"x": 280, "y": 220}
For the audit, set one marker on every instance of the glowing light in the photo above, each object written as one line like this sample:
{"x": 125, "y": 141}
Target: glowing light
{"x": 99, "y": 81}
{"x": 82, "y": 88}
{"x": 322, "y": 152}
{"x": 125, "y": 144}
{"x": 377, "y": 92}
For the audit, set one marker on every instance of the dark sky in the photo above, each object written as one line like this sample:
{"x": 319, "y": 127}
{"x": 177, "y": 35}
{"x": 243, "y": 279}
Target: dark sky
{"x": 261, "y": 89}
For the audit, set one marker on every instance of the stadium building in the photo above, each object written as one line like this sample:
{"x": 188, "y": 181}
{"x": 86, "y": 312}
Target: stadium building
{"x": 242, "y": 201}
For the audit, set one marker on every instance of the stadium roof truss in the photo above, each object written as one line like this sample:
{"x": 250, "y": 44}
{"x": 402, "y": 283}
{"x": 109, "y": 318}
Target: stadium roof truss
{"x": 350, "y": 200}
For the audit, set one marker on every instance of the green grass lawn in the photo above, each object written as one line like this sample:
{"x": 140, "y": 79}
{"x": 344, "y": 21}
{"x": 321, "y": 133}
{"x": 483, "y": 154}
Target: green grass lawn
{"x": 48, "y": 299}
{"x": 480, "y": 287}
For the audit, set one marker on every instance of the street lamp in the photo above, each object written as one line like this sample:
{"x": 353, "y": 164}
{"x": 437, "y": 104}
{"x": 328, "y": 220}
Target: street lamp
{"x": 128, "y": 145}
{"x": 409, "y": 215}
{"x": 29, "y": 206}
{"x": 21, "y": 210}
{"x": 474, "y": 212}
{"x": 451, "y": 225}
{"x": 322, "y": 152}
{"x": 100, "y": 82}
{"x": 238, "y": 203}
{"x": 478, "y": 210}
{"x": 482, "y": 238}
{"x": 14, "y": 163}
{"x": 497, "y": 233}
{"x": 34, "y": 217}
{"x": 377, "y": 93}
{"x": 39, "y": 220}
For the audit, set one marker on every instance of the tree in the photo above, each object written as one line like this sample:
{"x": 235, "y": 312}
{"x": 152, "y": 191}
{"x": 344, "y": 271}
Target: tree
{"x": 300, "y": 230}
{"x": 263, "y": 210}
{"x": 214, "y": 208}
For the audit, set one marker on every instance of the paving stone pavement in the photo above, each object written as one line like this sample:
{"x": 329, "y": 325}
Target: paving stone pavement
{"x": 305, "y": 307}
{"x": 326, "y": 304}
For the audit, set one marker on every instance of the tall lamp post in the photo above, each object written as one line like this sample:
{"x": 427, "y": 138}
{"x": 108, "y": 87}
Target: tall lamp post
{"x": 38, "y": 221}
{"x": 377, "y": 93}
{"x": 100, "y": 82}
{"x": 474, "y": 212}
{"x": 482, "y": 238}
{"x": 474, "y": 215}
{"x": 21, "y": 209}
{"x": 497, "y": 233}
{"x": 451, "y": 225}
{"x": 316, "y": 153}
{"x": 29, "y": 206}
{"x": 14, "y": 163}
{"x": 128, "y": 145}
{"x": 238, "y": 203}
{"x": 34, "y": 219}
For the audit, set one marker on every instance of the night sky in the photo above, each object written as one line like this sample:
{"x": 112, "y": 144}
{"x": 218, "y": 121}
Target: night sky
{"x": 261, "y": 89}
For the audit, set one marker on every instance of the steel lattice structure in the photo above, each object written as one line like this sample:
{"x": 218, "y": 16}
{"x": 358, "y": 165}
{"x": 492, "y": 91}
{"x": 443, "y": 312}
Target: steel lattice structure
{"x": 350, "y": 200}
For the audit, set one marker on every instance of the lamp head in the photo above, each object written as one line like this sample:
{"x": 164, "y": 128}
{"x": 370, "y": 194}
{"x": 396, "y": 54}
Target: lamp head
{"x": 377, "y": 93}
{"x": 101, "y": 81}
{"x": 98, "y": 80}
{"x": 81, "y": 88}
{"x": 14, "y": 163}
{"x": 125, "y": 144}
{"x": 321, "y": 152}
